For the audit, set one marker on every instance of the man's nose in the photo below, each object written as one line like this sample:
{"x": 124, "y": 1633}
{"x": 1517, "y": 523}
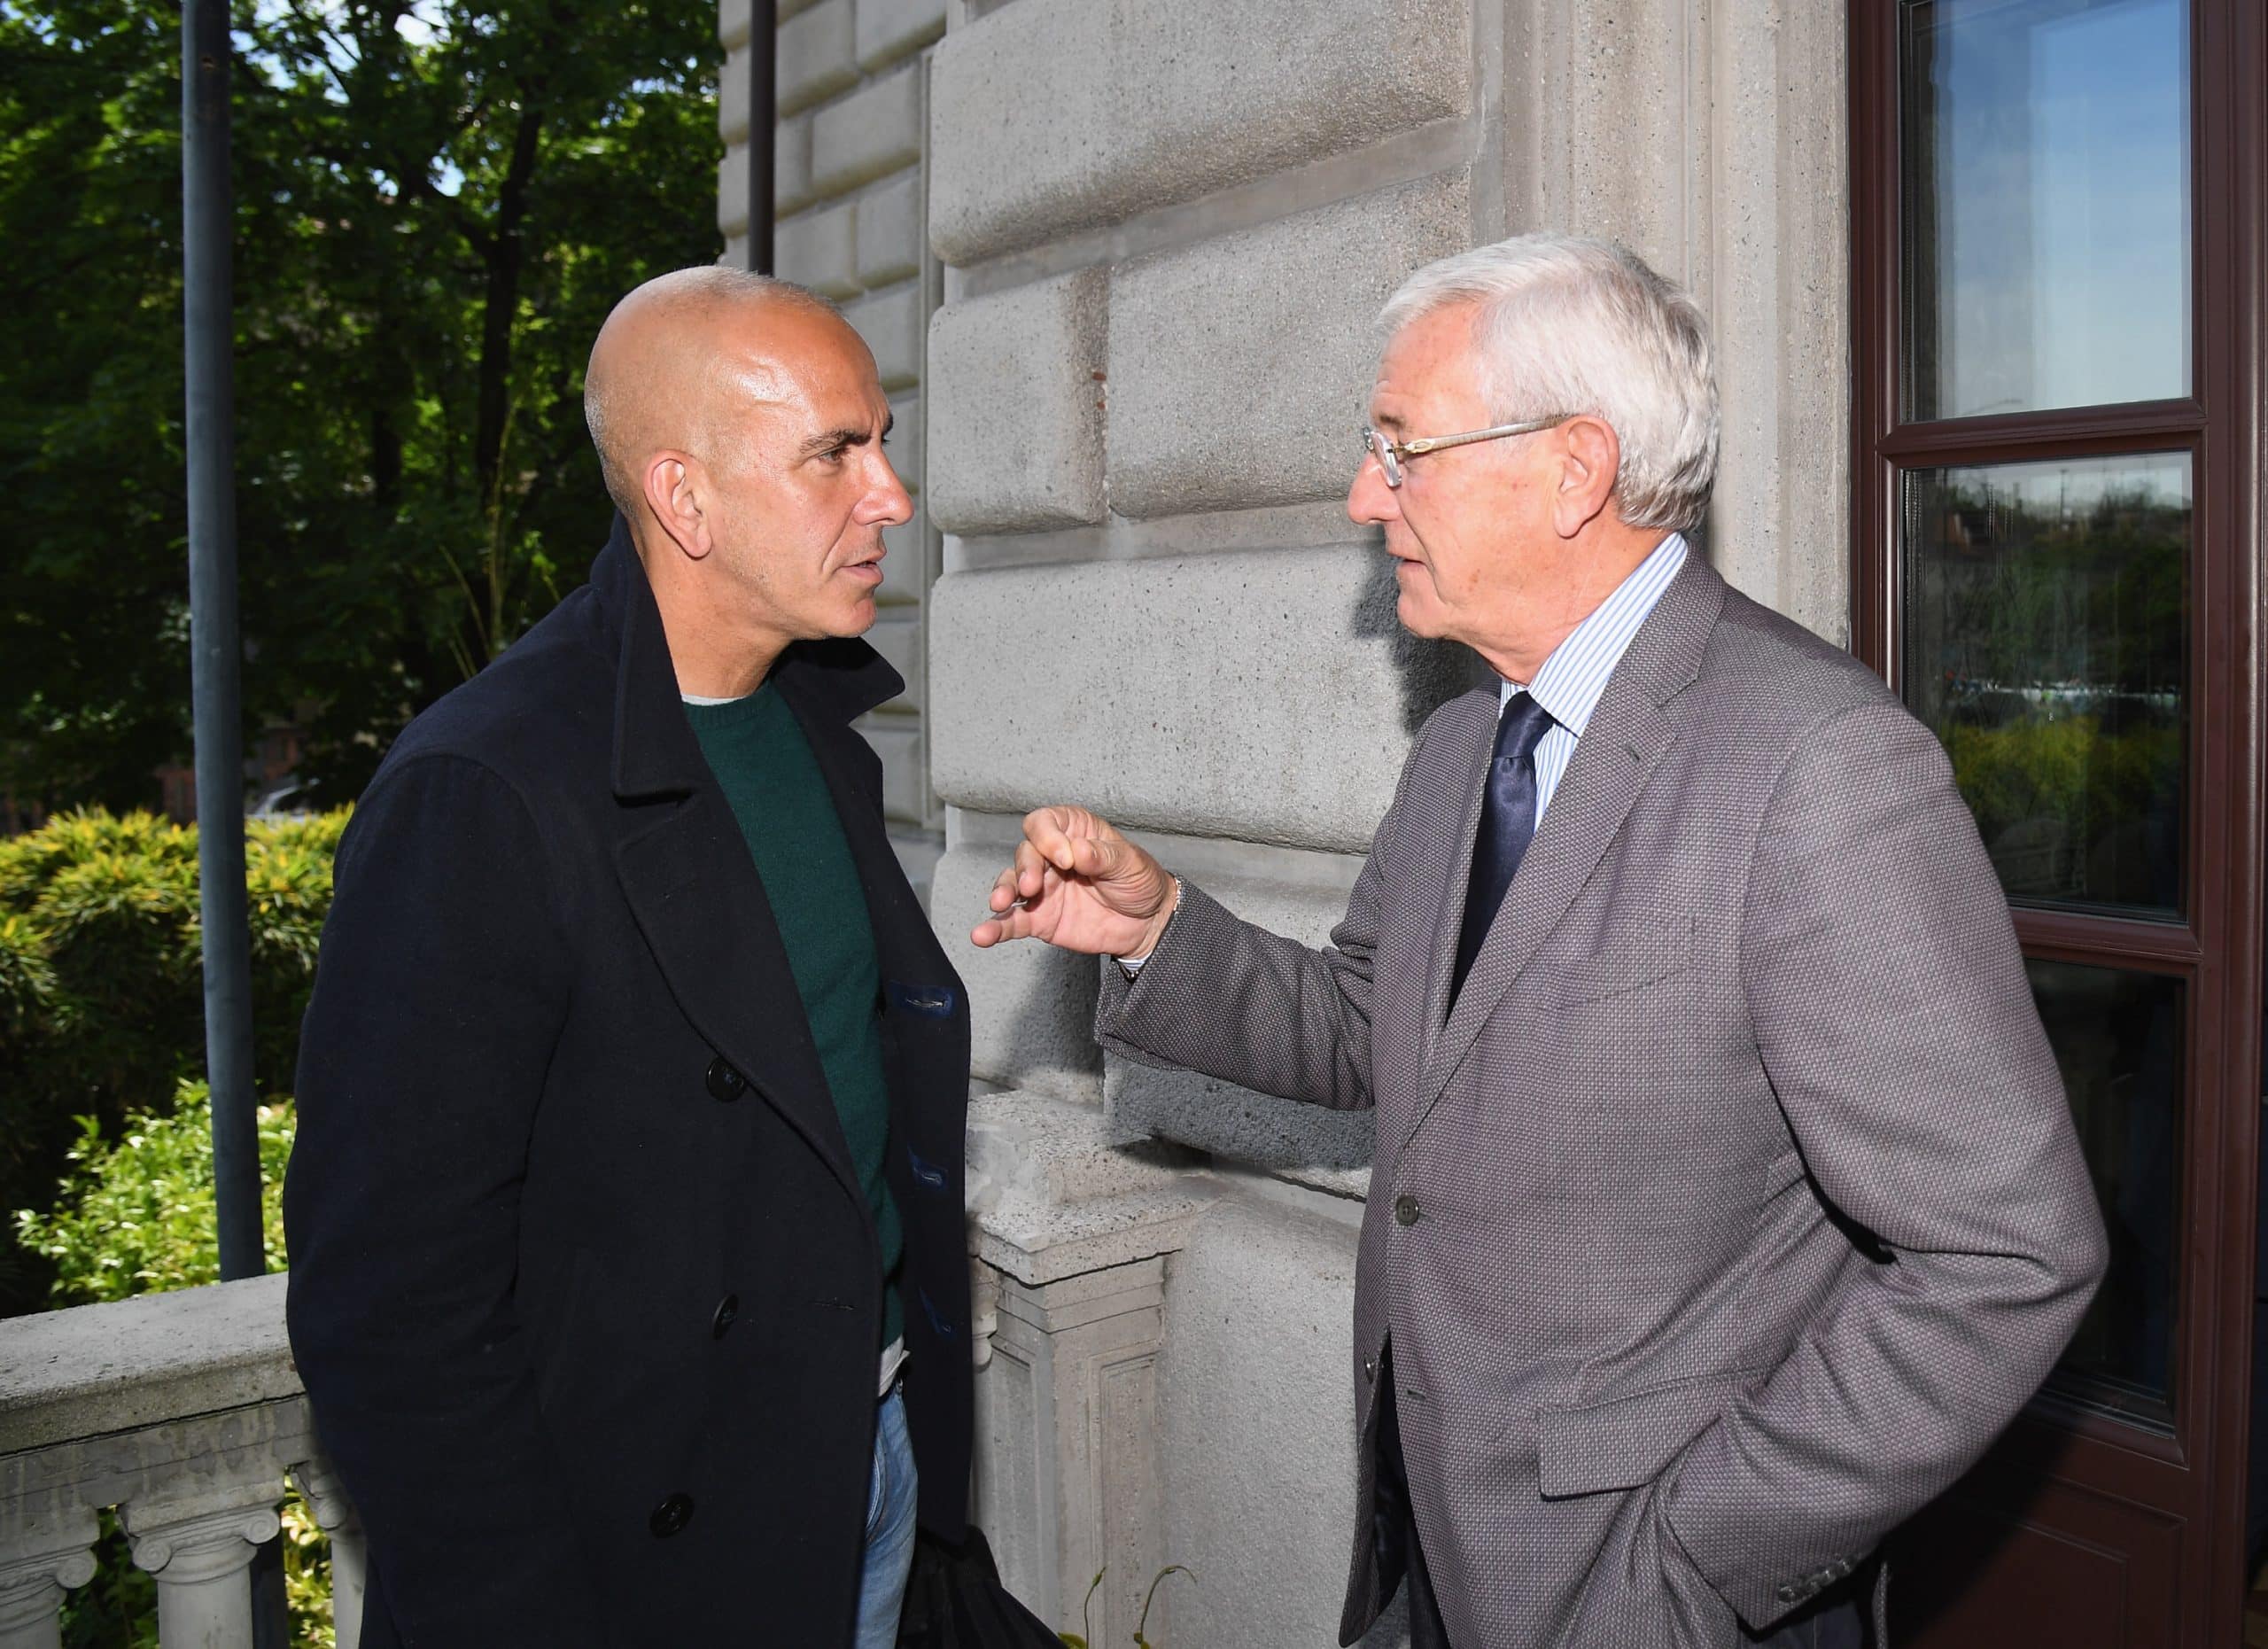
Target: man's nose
{"x": 1369, "y": 501}
{"x": 887, "y": 503}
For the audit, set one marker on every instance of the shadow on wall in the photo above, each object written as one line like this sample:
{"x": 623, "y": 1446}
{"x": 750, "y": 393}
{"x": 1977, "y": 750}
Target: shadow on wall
{"x": 1330, "y": 1149}
{"x": 1429, "y": 674}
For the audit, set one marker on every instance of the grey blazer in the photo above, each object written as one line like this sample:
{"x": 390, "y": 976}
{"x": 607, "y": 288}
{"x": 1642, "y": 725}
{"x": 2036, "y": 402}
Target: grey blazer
{"x": 1754, "y": 981}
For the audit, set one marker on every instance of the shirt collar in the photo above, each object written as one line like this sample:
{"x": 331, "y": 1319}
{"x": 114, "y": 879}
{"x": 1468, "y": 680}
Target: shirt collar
{"x": 1572, "y": 679}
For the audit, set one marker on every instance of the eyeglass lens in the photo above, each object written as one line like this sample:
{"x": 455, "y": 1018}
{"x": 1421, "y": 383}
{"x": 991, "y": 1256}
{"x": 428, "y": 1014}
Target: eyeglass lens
{"x": 1382, "y": 449}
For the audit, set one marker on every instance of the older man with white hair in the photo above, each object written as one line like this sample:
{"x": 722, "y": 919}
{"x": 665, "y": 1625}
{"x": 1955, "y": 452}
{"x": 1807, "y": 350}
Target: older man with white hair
{"x": 1726, "y": 1201}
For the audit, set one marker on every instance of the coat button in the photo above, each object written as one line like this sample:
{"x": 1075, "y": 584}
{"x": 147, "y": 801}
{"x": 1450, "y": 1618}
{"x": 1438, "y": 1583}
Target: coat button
{"x": 1370, "y": 1371}
{"x": 725, "y": 1083}
{"x": 1784, "y": 1594}
{"x": 672, "y": 1515}
{"x": 728, "y": 1309}
{"x": 1405, "y": 1209}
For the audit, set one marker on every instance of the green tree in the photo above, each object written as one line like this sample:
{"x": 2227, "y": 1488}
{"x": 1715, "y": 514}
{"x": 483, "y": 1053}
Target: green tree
{"x": 435, "y": 204}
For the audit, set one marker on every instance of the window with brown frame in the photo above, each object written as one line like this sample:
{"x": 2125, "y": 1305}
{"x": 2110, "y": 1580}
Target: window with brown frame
{"x": 2057, "y": 211}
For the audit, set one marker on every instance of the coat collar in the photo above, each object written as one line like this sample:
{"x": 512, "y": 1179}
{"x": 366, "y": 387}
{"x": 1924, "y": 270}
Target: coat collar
{"x": 1630, "y": 730}
{"x": 655, "y": 751}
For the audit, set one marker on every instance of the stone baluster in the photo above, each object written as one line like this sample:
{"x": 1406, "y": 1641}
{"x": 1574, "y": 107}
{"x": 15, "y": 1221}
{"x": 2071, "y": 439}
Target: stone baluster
{"x": 40, "y": 1559}
{"x": 199, "y": 1547}
{"x": 350, "y": 1560}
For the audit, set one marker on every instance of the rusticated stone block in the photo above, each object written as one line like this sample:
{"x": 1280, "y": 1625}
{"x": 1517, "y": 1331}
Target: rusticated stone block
{"x": 820, "y": 250}
{"x": 1016, "y": 407}
{"x": 875, "y": 130}
{"x": 1266, "y": 694}
{"x": 731, "y": 191}
{"x": 890, "y": 322}
{"x": 891, "y": 29}
{"x": 816, "y": 55}
{"x": 732, "y": 96}
{"x": 1256, "y": 1425}
{"x": 1266, "y": 338}
{"x": 889, "y": 232}
{"x": 1056, "y": 115}
{"x": 791, "y": 165}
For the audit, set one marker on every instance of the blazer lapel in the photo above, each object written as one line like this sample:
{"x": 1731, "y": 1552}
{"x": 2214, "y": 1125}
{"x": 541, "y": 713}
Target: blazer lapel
{"x": 1627, "y": 734}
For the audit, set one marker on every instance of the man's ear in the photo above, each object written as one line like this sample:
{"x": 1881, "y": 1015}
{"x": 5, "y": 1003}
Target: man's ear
{"x": 674, "y": 486}
{"x": 1591, "y": 458}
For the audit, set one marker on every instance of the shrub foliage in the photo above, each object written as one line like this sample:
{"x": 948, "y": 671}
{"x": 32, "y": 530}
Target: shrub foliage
{"x": 101, "y": 991}
{"x": 136, "y": 1214}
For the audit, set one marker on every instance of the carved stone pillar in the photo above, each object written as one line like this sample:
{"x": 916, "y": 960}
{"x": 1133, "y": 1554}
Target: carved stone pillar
{"x": 1072, "y": 1230}
{"x": 200, "y": 1551}
{"x": 350, "y": 1552}
{"x": 1068, "y": 1408}
{"x": 40, "y": 1559}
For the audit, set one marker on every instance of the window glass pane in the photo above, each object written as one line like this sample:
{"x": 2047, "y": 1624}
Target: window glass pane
{"x": 2044, "y": 642}
{"x": 2045, "y": 188}
{"x": 2118, "y": 1039}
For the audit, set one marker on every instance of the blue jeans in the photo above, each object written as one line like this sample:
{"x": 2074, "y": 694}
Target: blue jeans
{"x": 890, "y": 1528}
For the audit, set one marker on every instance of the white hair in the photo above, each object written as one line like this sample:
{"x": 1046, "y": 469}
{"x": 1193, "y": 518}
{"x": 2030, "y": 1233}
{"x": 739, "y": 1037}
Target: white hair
{"x": 1565, "y": 325}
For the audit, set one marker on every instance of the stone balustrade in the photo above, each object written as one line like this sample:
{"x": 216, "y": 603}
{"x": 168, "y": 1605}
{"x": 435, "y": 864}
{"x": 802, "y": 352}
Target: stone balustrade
{"x": 184, "y": 1413}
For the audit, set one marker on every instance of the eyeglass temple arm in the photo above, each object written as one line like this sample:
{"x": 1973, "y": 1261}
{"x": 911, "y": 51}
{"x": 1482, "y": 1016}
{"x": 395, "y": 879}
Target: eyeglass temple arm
{"x": 1434, "y": 443}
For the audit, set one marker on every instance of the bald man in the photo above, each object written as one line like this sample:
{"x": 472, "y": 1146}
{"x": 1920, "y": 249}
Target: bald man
{"x": 627, "y": 1273}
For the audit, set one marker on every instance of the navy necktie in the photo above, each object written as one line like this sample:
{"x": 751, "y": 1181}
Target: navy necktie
{"x": 1507, "y": 825}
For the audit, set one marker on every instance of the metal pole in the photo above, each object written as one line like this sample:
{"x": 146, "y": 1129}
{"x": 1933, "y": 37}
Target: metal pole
{"x": 763, "y": 126}
{"x": 214, "y": 684}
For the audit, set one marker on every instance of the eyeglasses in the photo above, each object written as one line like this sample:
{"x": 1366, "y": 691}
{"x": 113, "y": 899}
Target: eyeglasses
{"x": 1390, "y": 453}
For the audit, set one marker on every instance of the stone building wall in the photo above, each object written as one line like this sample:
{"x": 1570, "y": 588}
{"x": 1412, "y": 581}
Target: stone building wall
{"x": 1165, "y": 228}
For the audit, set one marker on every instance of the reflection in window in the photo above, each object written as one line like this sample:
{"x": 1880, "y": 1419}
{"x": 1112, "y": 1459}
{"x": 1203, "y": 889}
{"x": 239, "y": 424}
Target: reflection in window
{"x": 2117, "y": 1039}
{"x": 2043, "y": 643}
{"x": 2047, "y": 197}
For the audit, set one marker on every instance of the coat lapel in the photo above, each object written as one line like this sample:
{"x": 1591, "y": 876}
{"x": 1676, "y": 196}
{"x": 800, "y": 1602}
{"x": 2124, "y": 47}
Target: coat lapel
{"x": 1628, "y": 733}
{"x": 905, "y": 945}
{"x": 685, "y": 869}
{"x": 694, "y": 891}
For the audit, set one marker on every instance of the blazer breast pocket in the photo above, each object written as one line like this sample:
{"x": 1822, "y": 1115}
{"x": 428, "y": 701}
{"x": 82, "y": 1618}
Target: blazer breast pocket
{"x": 1631, "y": 964}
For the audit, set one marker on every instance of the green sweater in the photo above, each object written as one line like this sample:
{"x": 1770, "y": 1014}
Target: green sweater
{"x": 757, "y": 751}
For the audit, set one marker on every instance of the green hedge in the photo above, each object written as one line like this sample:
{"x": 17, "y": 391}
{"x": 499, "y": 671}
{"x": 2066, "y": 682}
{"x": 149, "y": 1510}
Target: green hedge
{"x": 102, "y": 988}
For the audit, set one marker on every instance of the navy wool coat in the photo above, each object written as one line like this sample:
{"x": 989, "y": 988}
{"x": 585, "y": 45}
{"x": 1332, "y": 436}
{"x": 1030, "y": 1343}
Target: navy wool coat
{"x": 584, "y": 1289}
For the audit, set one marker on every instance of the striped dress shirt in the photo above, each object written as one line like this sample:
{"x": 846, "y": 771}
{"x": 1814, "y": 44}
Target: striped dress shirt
{"x": 1569, "y": 684}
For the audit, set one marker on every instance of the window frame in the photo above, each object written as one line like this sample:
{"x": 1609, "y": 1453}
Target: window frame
{"x": 2194, "y": 1474}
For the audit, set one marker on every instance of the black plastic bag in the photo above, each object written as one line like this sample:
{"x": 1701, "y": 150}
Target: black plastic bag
{"x": 954, "y": 1600}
